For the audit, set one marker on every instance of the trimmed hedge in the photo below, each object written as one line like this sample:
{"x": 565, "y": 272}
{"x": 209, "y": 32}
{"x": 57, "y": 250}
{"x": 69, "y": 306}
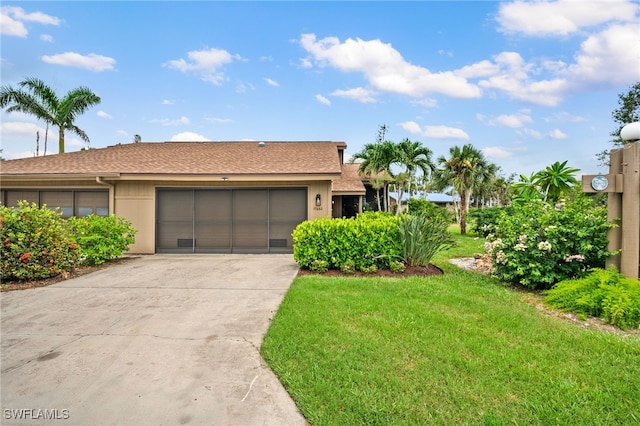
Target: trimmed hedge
{"x": 368, "y": 240}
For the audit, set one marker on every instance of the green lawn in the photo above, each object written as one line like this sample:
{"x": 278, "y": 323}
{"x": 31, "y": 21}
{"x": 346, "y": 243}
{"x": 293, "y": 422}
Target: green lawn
{"x": 457, "y": 349}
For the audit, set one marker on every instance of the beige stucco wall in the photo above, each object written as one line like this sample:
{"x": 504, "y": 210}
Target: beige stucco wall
{"x": 136, "y": 200}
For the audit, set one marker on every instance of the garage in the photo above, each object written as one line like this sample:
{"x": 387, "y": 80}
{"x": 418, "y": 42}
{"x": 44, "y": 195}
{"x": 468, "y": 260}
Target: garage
{"x": 235, "y": 220}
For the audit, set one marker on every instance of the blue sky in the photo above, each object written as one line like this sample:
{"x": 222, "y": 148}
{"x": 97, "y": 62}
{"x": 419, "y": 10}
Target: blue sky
{"x": 528, "y": 83}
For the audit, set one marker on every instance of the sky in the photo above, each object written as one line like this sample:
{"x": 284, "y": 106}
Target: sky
{"x": 527, "y": 83}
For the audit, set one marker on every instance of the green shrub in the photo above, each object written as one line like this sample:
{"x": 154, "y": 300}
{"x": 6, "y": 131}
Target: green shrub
{"x": 102, "y": 238}
{"x": 349, "y": 267}
{"x": 372, "y": 269}
{"x": 538, "y": 244}
{"x": 319, "y": 266}
{"x": 421, "y": 237}
{"x": 36, "y": 243}
{"x": 483, "y": 221}
{"x": 602, "y": 293}
{"x": 371, "y": 238}
{"x": 397, "y": 267}
{"x": 429, "y": 209}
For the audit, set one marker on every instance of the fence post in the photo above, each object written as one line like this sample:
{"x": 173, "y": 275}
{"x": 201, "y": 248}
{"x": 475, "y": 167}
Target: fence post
{"x": 614, "y": 211}
{"x": 630, "y": 226}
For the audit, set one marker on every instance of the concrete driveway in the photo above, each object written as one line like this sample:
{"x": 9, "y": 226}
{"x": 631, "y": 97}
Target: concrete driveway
{"x": 157, "y": 340}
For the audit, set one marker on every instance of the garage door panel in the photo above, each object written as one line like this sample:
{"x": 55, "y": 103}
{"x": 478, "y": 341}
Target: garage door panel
{"x": 175, "y": 221}
{"x": 213, "y": 237}
{"x": 213, "y": 220}
{"x": 250, "y": 219}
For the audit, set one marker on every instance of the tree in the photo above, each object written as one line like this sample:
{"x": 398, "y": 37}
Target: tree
{"x": 628, "y": 111}
{"x": 527, "y": 188}
{"x": 555, "y": 180}
{"x": 35, "y": 98}
{"x": 413, "y": 156}
{"x": 460, "y": 170}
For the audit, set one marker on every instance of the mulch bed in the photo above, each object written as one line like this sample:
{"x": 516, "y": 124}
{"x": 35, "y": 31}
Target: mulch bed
{"x": 410, "y": 271}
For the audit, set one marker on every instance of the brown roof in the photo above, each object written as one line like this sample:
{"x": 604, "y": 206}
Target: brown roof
{"x": 349, "y": 182}
{"x": 190, "y": 158}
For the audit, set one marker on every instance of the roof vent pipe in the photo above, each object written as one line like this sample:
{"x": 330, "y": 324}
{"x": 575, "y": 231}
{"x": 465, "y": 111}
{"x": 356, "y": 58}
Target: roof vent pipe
{"x": 261, "y": 144}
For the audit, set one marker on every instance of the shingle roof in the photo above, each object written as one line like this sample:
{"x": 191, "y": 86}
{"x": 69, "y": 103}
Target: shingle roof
{"x": 349, "y": 182}
{"x": 191, "y": 158}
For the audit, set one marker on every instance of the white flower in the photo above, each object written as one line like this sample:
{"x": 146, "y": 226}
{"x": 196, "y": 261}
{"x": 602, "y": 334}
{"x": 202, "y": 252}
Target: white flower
{"x": 544, "y": 245}
{"x": 519, "y": 247}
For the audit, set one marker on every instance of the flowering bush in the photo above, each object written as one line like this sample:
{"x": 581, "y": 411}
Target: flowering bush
{"x": 35, "y": 243}
{"x": 538, "y": 244}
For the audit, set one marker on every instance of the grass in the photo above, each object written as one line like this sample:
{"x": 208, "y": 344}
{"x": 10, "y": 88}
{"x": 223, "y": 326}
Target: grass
{"x": 454, "y": 349}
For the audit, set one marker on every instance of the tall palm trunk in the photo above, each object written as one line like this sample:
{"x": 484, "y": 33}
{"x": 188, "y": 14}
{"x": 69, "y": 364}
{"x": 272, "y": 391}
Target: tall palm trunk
{"x": 61, "y": 140}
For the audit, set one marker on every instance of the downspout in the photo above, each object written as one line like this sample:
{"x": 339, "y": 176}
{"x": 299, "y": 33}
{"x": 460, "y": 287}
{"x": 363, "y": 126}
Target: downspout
{"x": 112, "y": 196}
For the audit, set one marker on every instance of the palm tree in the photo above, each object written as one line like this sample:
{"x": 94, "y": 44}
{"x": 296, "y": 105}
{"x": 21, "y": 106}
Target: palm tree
{"x": 556, "y": 179}
{"x": 35, "y": 98}
{"x": 460, "y": 171}
{"x": 377, "y": 159}
{"x": 414, "y": 156}
{"x": 484, "y": 185}
{"x": 527, "y": 188}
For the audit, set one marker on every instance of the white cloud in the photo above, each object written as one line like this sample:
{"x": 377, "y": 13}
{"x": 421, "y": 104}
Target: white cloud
{"x": 513, "y": 121}
{"x": 11, "y": 27}
{"x": 188, "y": 137}
{"x": 426, "y": 102}
{"x": 384, "y": 67}
{"x": 564, "y": 117}
{"x": 205, "y": 64}
{"x": 561, "y": 17}
{"x": 411, "y": 127}
{"x": 323, "y": 100}
{"x": 167, "y": 122}
{"x": 22, "y": 154}
{"x": 167, "y": 102}
{"x": 47, "y": 37}
{"x": 20, "y": 128}
{"x": 610, "y": 56}
{"x": 359, "y": 94}
{"x": 103, "y": 114}
{"x": 557, "y": 134}
{"x": 305, "y": 63}
{"x": 219, "y": 120}
{"x": 91, "y": 62}
{"x": 243, "y": 88}
{"x": 444, "y": 132}
{"x": 271, "y": 82}
{"x": 435, "y": 132}
{"x": 74, "y": 141}
{"x": 531, "y": 133}
{"x": 12, "y": 20}
{"x": 496, "y": 153}
{"x": 512, "y": 77}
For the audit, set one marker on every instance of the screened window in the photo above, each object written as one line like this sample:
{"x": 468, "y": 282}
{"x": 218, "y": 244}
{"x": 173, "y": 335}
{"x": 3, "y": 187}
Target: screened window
{"x": 70, "y": 202}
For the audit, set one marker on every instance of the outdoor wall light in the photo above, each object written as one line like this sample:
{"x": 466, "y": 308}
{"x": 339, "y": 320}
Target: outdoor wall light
{"x": 318, "y": 200}
{"x": 225, "y": 179}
